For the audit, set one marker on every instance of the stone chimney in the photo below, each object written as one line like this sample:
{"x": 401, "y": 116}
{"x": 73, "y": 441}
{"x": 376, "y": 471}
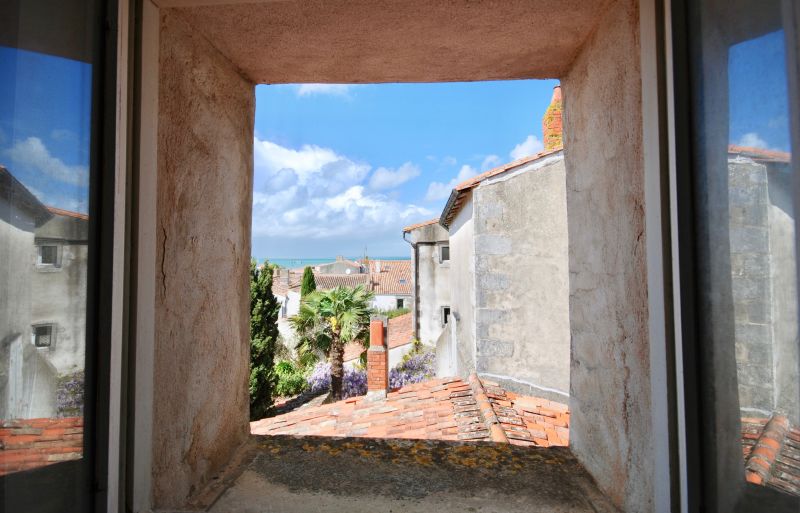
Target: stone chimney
{"x": 377, "y": 360}
{"x": 552, "y": 131}
{"x": 284, "y": 276}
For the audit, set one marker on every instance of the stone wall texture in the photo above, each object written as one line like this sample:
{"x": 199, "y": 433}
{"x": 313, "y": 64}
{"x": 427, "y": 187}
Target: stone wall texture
{"x": 205, "y": 174}
{"x": 609, "y": 384}
{"x": 522, "y": 279}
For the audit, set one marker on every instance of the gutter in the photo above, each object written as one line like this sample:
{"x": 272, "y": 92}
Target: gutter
{"x": 415, "y": 318}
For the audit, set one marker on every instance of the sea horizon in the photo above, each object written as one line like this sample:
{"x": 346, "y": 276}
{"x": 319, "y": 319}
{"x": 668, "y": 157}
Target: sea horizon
{"x": 292, "y": 263}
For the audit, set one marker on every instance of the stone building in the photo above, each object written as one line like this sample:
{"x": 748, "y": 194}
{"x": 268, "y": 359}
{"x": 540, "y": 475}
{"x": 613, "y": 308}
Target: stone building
{"x": 509, "y": 279}
{"x": 764, "y": 281}
{"x": 42, "y": 338}
{"x": 430, "y": 255}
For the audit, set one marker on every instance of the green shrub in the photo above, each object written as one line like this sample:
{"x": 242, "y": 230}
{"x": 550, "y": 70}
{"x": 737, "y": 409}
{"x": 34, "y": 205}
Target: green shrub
{"x": 291, "y": 380}
{"x": 397, "y": 312}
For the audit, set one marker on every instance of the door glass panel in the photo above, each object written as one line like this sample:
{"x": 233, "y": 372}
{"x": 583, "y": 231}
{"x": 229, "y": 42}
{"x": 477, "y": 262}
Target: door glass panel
{"x": 45, "y": 118}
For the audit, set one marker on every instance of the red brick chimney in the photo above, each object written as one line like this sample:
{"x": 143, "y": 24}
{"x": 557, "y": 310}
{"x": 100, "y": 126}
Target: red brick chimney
{"x": 377, "y": 361}
{"x": 552, "y": 130}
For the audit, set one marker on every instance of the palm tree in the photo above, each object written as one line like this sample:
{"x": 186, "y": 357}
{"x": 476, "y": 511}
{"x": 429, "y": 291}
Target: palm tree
{"x": 329, "y": 319}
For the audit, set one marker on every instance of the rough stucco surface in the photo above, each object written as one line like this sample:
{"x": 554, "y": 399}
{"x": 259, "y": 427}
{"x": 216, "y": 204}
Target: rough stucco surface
{"x": 389, "y": 41}
{"x": 522, "y": 280}
{"x": 462, "y": 288}
{"x": 432, "y": 281}
{"x": 610, "y": 432}
{"x": 201, "y": 355}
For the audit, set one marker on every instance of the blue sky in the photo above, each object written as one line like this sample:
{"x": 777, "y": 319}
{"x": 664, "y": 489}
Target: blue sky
{"x": 341, "y": 167}
{"x": 45, "y": 110}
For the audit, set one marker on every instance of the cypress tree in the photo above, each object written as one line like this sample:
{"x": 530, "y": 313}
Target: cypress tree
{"x": 308, "y": 284}
{"x": 264, "y": 308}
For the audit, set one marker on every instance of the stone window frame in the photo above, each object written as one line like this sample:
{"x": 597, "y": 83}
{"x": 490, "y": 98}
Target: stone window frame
{"x": 53, "y": 326}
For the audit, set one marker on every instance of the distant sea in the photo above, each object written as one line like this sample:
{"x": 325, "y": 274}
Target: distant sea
{"x": 294, "y": 263}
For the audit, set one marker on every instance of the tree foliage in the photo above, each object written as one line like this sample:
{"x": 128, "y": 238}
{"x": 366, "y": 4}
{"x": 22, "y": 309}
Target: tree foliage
{"x": 327, "y": 320}
{"x": 264, "y": 308}
{"x": 308, "y": 285}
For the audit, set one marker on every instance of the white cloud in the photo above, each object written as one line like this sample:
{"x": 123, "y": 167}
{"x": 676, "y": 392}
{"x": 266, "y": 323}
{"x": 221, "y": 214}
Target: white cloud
{"x": 384, "y": 178}
{"x": 439, "y": 191}
{"x": 530, "y": 146}
{"x": 449, "y": 161}
{"x": 73, "y": 203}
{"x": 489, "y": 162}
{"x": 315, "y": 193}
{"x": 753, "y": 140}
{"x": 329, "y": 89}
{"x": 33, "y": 154}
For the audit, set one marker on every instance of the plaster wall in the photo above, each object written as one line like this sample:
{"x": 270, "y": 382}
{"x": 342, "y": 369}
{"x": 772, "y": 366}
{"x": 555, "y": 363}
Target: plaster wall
{"x": 522, "y": 279}
{"x": 60, "y": 292}
{"x": 783, "y": 275}
{"x": 462, "y": 289}
{"x": 763, "y": 286}
{"x": 611, "y": 427}
{"x": 204, "y": 202}
{"x": 389, "y": 301}
{"x": 18, "y": 255}
{"x": 432, "y": 284}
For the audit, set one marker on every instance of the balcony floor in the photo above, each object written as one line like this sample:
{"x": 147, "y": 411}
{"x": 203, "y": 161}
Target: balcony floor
{"x": 319, "y": 474}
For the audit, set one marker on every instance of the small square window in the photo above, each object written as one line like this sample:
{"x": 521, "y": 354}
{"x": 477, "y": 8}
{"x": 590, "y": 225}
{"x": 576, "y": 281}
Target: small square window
{"x": 401, "y": 303}
{"x": 43, "y": 335}
{"x": 445, "y": 315}
{"x": 48, "y": 255}
{"x": 444, "y": 254}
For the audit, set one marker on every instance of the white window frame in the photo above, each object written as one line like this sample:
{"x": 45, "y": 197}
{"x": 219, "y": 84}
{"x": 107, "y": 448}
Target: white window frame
{"x": 442, "y": 260}
{"x": 43, "y": 265}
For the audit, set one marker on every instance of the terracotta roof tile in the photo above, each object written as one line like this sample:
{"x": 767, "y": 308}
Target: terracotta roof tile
{"x": 438, "y": 409}
{"x": 331, "y": 281}
{"x": 394, "y": 278}
{"x": 67, "y": 213}
{"x": 771, "y": 451}
{"x": 399, "y": 332}
{"x": 31, "y": 443}
{"x": 420, "y": 225}
{"x": 280, "y": 287}
{"x": 760, "y": 154}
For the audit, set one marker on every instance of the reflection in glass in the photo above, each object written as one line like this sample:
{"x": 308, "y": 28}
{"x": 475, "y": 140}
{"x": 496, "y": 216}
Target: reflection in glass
{"x": 763, "y": 262}
{"x": 44, "y": 236}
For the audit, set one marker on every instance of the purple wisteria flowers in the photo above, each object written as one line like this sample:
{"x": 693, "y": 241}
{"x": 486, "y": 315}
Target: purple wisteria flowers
{"x": 417, "y": 367}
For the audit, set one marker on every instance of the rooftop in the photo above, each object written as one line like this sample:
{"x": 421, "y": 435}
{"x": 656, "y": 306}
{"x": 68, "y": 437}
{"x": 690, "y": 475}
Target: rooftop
{"x": 438, "y": 409}
{"x": 459, "y": 191}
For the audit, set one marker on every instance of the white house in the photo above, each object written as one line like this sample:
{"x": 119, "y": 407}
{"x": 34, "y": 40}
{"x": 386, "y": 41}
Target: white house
{"x": 430, "y": 255}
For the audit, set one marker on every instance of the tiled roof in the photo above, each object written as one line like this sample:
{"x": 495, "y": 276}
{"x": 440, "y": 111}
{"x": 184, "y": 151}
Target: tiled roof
{"x": 353, "y": 350}
{"x": 331, "y": 281}
{"x": 438, "y": 409}
{"x": 457, "y": 194}
{"x": 399, "y": 332}
{"x": 68, "y": 213}
{"x": 771, "y": 449}
{"x": 420, "y": 225}
{"x": 279, "y": 288}
{"x": 760, "y": 154}
{"x": 394, "y": 279}
{"x": 32, "y": 443}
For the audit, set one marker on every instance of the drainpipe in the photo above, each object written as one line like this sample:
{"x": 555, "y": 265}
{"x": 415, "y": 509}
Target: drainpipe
{"x": 415, "y": 318}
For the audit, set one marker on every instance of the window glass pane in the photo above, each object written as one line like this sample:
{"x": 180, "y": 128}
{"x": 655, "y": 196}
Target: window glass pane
{"x": 746, "y": 249}
{"x": 45, "y": 111}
